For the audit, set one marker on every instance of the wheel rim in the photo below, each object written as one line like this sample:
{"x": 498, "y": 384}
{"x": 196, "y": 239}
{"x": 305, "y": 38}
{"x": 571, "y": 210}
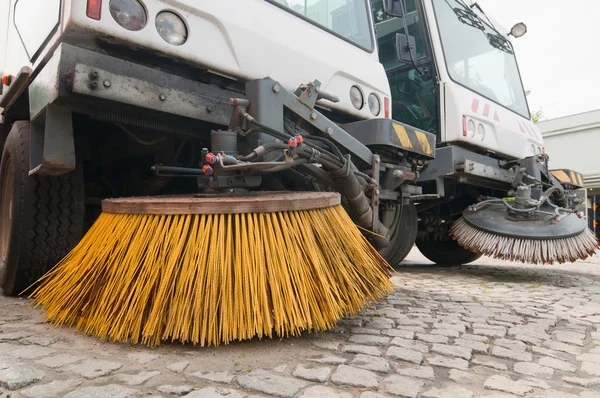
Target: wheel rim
{"x": 6, "y": 198}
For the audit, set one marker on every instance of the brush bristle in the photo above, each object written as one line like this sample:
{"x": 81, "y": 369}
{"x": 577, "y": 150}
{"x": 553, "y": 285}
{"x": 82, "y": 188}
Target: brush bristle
{"x": 213, "y": 279}
{"x": 534, "y": 251}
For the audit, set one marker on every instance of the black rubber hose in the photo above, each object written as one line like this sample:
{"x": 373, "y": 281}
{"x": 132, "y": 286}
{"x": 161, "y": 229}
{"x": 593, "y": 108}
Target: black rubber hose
{"x": 346, "y": 183}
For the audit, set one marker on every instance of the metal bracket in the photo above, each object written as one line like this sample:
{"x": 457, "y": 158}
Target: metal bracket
{"x": 52, "y": 147}
{"x": 376, "y": 189}
{"x": 310, "y": 94}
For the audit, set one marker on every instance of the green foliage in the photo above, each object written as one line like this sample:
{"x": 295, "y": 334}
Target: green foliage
{"x": 537, "y": 115}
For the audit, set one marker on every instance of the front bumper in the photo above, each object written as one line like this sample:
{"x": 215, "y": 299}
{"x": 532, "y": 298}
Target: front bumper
{"x": 93, "y": 83}
{"x": 77, "y": 80}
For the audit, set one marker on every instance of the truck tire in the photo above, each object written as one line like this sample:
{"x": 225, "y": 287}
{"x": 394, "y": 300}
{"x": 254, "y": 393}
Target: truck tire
{"x": 447, "y": 252}
{"x": 41, "y": 217}
{"x": 403, "y": 234}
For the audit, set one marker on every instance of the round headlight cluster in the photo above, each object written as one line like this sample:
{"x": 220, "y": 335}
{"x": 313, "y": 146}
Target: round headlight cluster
{"x": 358, "y": 100}
{"x": 374, "y": 104}
{"x": 171, "y": 28}
{"x": 356, "y": 97}
{"x": 130, "y": 14}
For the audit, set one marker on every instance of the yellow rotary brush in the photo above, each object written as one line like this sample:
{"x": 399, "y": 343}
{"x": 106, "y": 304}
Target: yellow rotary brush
{"x": 211, "y": 270}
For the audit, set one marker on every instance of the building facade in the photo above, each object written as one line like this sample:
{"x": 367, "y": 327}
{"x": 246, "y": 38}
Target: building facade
{"x": 571, "y": 143}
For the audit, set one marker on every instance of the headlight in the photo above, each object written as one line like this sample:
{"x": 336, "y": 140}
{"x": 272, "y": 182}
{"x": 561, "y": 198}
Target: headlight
{"x": 171, "y": 28}
{"x": 356, "y": 97}
{"x": 374, "y": 104}
{"x": 130, "y": 14}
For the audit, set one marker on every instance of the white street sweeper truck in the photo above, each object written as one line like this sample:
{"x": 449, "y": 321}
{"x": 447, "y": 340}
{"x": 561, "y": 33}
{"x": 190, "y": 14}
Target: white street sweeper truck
{"x": 415, "y": 114}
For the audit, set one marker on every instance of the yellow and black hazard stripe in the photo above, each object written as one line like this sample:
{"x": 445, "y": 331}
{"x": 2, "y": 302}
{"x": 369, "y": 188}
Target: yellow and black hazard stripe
{"x": 566, "y": 176}
{"x": 414, "y": 140}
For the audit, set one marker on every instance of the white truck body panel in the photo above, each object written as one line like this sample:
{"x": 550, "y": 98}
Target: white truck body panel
{"x": 505, "y": 132}
{"x": 241, "y": 39}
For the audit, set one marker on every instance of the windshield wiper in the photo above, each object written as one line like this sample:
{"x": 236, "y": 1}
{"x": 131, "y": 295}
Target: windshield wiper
{"x": 500, "y": 42}
{"x": 470, "y": 18}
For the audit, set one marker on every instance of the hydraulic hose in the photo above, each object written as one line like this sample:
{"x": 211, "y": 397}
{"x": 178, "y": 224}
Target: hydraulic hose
{"x": 346, "y": 183}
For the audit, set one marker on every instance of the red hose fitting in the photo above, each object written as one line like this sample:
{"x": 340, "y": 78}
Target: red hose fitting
{"x": 292, "y": 142}
{"x": 211, "y": 158}
{"x": 299, "y": 138}
{"x": 206, "y": 169}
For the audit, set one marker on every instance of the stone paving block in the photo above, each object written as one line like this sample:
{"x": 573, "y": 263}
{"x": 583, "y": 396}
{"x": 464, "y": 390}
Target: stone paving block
{"x": 268, "y": 383}
{"x": 533, "y": 369}
{"x": 445, "y": 332}
{"x": 402, "y": 386}
{"x": 365, "y": 331}
{"x": 451, "y": 350}
{"x": 175, "y": 390}
{"x": 380, "y": 323}
{"x": 510, "y": 344}
{"x": 559, "y": 346}
{"x": 490, "y": 332}
{"x": 595, "y": 358}
{"x": 420, "y": 372}
{"x": 410, "y": 344}
{"x": 489, "y": 362}
{"x": 511, "y": 354}
{"x": 93, "y": 368}
{"x": 313, "y": 372}
{"x": 583, "y": 382}
{"x": 448, "y": 392}
{"x": 217, "y": 377}
{"x": 472, "y": 344}
{"x": 178, "y": 367}
{"x": 30, "y": 352}
{"x": 56, "y": 388}
{"x": 405, "y": 334}
{"x": 111, "y": 390}
{"x": 459, "y": 327}
{"x": 447, "y": 362}
{"x": 57, "y": 361}
{"x": 432, "y": 338}
{"x": 323, "y": 392}
{"x": 43, "y": 341}
{"x": 557, "y": 364}
{"x": 12, "y": 336}
{"x": 505, "y": 384}
{"x": 351, "y": 376}
{"x": 405, "y": 354}
{"x": 327, "y": 345}
{"x": 565, "y": 336}
{"x": 475, "y": 337}
{"x": 330, "y": 359}
{"x": 19, "y": 376}
{"x": 5, "y": 348}
{"x": 546, "y": 351}
{"x": 367, "y": 339}
{"x": 361, "y": 349}
{"x": 142, "y": 357}
{"x": 368, "y": 362}
{"x": 462, "y": 377}
{"x": 590, "y": 368}
{"x": 137, "y": 379}
{"x": 220, "y": 392}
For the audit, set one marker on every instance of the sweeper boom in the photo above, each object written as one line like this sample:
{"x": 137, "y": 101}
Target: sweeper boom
{"x": 131, "y": 98}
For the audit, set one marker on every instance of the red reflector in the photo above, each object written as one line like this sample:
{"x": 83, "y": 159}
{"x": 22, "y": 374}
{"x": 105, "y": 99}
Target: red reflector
{"x": 94, "y": 9}
{"x": 386, "y": 107}
{"x": 464, "y": 126}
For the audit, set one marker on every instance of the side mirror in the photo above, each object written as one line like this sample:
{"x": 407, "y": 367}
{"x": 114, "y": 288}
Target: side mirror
{"x": 406, "y": 48}
{"x": 393, "y": 7}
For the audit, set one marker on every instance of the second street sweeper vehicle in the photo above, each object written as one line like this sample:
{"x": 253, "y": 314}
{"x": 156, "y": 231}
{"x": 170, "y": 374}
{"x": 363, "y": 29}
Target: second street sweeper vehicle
{"x": 426, "y": 135}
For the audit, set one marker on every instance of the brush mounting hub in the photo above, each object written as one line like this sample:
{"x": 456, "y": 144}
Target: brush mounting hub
{"x": 494, "y": 219}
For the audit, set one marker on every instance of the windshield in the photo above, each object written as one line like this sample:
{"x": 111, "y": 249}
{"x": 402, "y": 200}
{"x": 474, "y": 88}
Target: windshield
{"x": 346, "y": 18}
{"x": 478, "y": 57}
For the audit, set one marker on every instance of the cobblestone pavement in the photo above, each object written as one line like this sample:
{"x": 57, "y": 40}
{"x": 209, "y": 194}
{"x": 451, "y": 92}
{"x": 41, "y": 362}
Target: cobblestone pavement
{"x": 494, "y": 329}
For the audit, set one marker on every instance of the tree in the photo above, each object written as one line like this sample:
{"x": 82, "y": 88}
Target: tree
{"x": 537, "y": 116}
